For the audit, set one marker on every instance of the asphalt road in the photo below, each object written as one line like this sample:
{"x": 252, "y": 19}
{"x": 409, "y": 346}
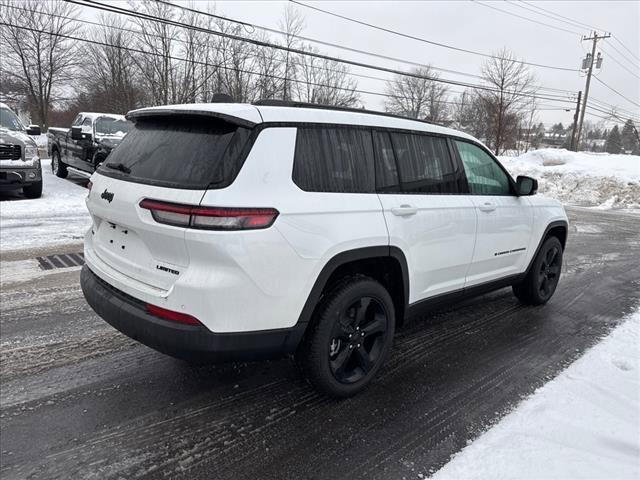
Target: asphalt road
{"x": 79, "y": 400}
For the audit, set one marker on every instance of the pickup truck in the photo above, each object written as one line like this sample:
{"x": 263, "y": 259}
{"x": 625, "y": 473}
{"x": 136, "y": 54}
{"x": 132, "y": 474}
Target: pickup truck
{"x": 19, "y": 161}
{"x": 87, "y": 143}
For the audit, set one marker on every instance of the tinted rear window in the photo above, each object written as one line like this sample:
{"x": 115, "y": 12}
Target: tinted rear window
{"x": 178, "y": 151}
{"x": 332, "y": 159}
{"x": 424, "y": 164}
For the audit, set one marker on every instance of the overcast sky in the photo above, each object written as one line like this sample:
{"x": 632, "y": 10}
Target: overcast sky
{"x": 471, "y": 25}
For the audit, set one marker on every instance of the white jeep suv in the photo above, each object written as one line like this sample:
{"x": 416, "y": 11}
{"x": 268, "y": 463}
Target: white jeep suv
{"x": 238, "y": 231}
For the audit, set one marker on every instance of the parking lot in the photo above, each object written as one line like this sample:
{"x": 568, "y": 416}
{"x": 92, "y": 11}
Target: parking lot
{"x": 80, "y": 400}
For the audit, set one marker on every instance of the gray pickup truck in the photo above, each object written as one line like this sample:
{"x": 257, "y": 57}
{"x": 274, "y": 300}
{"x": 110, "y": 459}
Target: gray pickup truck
{"x": 19, "y": 161}
{"x": 87, "y": 143}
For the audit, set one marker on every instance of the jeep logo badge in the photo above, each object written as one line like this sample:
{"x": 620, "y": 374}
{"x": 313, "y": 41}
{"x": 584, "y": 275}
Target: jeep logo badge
{"x": 106, "y": 195}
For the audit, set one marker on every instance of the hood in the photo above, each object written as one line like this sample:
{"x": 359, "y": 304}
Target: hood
{"x": 16, "y": 137}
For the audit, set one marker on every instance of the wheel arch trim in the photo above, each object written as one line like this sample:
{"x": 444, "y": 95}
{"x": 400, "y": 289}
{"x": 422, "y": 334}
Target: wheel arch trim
{"x": 346, "y": 257}
{"x": 555, "y": 224}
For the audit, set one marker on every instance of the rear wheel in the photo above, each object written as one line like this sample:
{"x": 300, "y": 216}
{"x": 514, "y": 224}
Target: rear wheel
{"x": 541, "y": 281}
{"x": 33, "y": 191}
{"x": 350, "y": 337}
{"x": 58, "y": 168}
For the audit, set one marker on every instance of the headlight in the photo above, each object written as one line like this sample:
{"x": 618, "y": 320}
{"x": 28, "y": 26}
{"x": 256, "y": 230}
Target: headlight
{"x": 30, "y": 152}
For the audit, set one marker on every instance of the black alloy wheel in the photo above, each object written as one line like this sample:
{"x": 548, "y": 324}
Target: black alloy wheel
{"x": 349, "y": 337}
{"x": 549, "y": 272}
{"x": 357, "y": 340}
{"x": 540, "y": 283}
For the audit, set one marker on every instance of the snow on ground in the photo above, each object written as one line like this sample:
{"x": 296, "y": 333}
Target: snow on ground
{"x": 583, "y": 424}
{"x": 582, "y": 178}
{"x": 60, "y": 216}
{"x": 43, "y": 142}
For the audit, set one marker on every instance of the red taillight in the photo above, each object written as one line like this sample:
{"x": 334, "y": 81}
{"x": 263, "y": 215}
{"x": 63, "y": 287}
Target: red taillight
{"x": 210, "y": 218}
{"x": 89, "y": 185}
{"x": 171, "y": 315}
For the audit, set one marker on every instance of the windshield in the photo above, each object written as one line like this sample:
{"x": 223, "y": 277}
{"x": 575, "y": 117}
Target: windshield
{"x": 10, "y": 120}
{"x": 112, "y": 126}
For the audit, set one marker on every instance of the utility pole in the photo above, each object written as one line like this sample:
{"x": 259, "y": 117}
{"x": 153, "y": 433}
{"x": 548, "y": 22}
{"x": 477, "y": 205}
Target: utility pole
{"x": 574, "y": 145}
{"x": 589, "y": 62}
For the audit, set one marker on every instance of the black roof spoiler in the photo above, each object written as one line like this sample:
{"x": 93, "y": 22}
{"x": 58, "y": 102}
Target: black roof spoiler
{"x": 171, "y": 112}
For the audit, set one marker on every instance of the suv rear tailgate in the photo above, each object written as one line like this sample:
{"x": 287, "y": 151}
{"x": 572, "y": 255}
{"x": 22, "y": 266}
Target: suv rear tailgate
{"x": 129, "y": 240}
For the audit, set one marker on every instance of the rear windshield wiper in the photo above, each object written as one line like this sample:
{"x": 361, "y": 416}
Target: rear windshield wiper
{"x": 118, "y": 166}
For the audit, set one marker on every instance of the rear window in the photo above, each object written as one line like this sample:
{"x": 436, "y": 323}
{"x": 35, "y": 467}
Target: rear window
{"x": 334, "y": 159}
{"x": 179, "y": 151}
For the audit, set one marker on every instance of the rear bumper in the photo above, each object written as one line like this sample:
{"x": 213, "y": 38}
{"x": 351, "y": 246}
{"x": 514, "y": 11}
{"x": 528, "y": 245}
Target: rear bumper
{"x": 129, "y": 316}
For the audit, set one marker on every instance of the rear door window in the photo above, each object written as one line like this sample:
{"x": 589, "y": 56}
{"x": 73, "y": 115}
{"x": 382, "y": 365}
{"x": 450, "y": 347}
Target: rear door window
{"x": 334, "y": 159}
{"x": 195, "y": 152}
{"x": 424, "y": 164}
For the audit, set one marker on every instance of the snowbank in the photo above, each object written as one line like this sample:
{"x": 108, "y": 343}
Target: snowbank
{"x": 583, "y": 424}
{"x": 582, "y": 178}
{"x": 60, "y": 216}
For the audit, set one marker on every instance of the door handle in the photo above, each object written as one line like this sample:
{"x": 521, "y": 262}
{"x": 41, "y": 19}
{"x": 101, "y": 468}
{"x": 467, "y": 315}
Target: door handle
{"x": 487, "y": 207}
{"x": 404, "y": 210}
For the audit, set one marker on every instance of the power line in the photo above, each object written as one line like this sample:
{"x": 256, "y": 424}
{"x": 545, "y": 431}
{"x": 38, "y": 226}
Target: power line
{"x": 560, "y": 100}
{"x": 518, "y": 5}
{"x": 617, "y": 92}
{"x": 424, "y": 40}
{"x": 136, "y": 31}
{"x": 525, "y": 18}
{"x": 573, "y": 22}
{"x": 626, "y": 48}
{"x": 623, "y": 111}
{"x": 624, "y": 56}
{"x": 619, "y": 63}
{"x": 314, "y": 40}
{"x": 568, "y": 21}
{"x": 261, "y": 43}
{"x": 305, "y": 82}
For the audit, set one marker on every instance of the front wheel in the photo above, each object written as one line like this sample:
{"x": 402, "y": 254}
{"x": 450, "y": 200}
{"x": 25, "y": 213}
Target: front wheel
{"x": 350, "y": 336}
{"x": 58, "y": 168}
{"x": 540, "y": 283}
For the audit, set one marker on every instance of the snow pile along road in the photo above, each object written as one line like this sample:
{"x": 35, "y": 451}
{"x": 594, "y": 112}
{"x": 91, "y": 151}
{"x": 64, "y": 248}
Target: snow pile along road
{"x": 582, "y": 178}
{"x": 583, "y": 424}
{"x": 59, "y": 217}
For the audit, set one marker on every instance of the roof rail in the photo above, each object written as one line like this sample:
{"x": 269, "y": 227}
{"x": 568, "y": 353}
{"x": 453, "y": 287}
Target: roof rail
{"x": 290, "y": 103}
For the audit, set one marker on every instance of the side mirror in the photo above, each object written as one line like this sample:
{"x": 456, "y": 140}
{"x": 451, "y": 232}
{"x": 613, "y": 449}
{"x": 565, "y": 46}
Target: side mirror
{"x": 77, "y": 134}
{"x": 526, "y": 185}
{"x": 34, "y": 130}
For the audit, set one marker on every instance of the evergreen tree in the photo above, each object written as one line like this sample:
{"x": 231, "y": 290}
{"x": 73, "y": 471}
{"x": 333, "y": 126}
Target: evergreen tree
{"x": 614, "y": 141}
{"x": 630, "y": 142}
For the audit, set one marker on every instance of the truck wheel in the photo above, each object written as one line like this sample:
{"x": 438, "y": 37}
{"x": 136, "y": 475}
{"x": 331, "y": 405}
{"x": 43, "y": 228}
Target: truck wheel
{"x": 349, "y": 338}
{"x": 541, "y": 281}
{"x": 33, "y": 191}
{"x": 58, "y": 168}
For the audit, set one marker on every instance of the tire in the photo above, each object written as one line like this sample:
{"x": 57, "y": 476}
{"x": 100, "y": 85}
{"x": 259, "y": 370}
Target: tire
{"x": 58, "y": 168}
{"x": 33, "y": 191}
{"x": 540, "y": 283}
{"x": 350, "y": 335}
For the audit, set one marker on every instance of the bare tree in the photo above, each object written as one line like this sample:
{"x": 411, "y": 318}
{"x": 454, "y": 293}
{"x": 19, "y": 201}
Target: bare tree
{"x": 109, "y": 72}
{"x": 268, "y": 64}
{"x": 420, "y": 97}
{"x": 511, "y": 84}
{"x": 35, "y": 50}
{"x": 323, "y": 81}
{"x": 156, "y": 40}
{"x": 292, "y": 24}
